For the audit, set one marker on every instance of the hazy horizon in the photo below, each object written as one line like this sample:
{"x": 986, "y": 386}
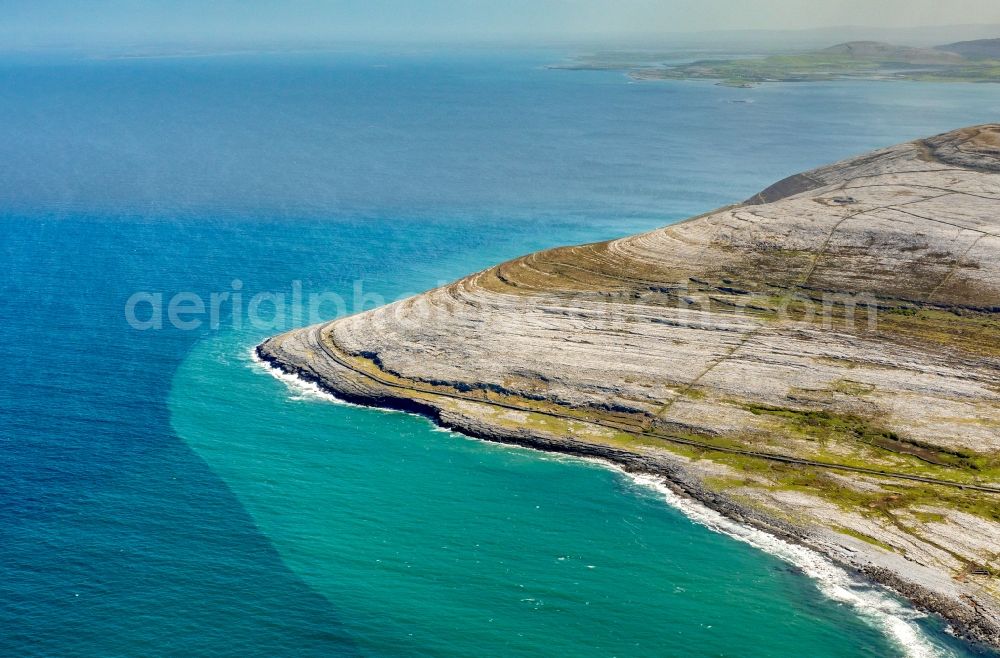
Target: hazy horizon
{"x": 117, "y": 23}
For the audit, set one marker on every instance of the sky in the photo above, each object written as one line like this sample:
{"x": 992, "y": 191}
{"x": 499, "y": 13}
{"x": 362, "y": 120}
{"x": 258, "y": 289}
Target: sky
{"x": 31, "y": 23}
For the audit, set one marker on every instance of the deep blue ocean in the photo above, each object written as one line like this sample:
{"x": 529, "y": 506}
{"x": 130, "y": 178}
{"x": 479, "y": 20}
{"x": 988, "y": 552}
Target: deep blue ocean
{"x": 161, "y": 494}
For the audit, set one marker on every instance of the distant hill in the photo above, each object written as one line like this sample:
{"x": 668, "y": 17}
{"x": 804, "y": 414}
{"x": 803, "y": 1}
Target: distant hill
{"x": 979, "y": 49}
{"x": 861, "y": 60}
{"x": 888, "y": 52}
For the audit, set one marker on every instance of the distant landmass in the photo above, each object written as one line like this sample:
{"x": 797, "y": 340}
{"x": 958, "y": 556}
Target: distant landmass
{"x": 966, "y": 61}
{"x": 979, "y": 49}
{"x": 889, "y": 53}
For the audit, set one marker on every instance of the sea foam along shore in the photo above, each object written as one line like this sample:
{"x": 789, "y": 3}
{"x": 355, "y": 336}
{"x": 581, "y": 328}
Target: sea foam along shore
{"x": 877, "y": 607}
{"x": 698, "y": 352}
{"x": 298, "y": 388}
{"x": 871, "y": 602}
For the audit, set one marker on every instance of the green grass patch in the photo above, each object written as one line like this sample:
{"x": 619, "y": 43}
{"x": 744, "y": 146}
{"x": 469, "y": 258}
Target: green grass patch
{"x": 927, "y": 517}
{"x": 865, "y": 538}
{"x": 968, "y": 331}
{"x": 826, "y": 426}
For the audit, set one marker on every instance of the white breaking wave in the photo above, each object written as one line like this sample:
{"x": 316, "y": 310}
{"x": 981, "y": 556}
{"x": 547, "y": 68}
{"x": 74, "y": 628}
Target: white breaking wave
{"x": 894, "y": 619}
{"x": 299, "y": 388}
{"x": 882, "y": 611}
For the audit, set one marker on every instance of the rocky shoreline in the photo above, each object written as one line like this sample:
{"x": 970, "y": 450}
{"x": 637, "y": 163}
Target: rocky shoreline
{"x": 966, "y": 623}
{"x": 821, "y": 363}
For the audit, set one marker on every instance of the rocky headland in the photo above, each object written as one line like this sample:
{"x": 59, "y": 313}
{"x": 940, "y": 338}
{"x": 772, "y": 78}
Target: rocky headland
{"x": 821, "y": 361}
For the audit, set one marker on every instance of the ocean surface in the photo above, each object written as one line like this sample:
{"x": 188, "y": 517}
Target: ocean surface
{"x": 162, "y": 494}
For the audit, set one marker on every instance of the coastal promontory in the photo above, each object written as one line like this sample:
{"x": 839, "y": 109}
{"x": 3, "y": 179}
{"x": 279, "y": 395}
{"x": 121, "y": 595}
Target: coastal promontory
{"x": 821, "y": 361}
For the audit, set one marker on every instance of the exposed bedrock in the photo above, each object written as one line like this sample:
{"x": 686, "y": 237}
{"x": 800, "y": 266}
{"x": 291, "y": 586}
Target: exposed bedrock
{"x": 822, "y": 361}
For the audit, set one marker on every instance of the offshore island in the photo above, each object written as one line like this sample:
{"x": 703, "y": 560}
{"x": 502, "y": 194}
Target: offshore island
{"x": 821, "y": 361}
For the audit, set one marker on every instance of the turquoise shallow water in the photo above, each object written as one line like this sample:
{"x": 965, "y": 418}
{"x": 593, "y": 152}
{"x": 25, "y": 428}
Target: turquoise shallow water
{"x": 162, "y": 495}
{"x": 441, "y": 545}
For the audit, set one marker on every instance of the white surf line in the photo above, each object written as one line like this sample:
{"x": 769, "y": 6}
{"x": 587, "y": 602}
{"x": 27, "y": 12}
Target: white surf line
{"x": 893, "y": 618}
{"x": 880, "y": 610}
{"x": 299, "y": 388}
